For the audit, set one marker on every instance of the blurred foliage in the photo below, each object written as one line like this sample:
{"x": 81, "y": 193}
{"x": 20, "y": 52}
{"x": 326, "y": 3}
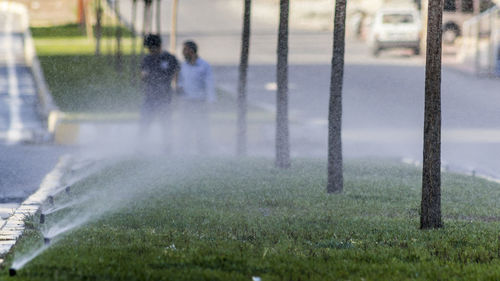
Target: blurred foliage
{"x": 74, "y": 30}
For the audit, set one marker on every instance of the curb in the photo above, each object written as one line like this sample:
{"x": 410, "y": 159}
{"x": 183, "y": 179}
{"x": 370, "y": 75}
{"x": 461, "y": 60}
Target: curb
{"x": 14, "y": 225}
{"x": 455, "y": 169}
{"x": 65, "y": 133}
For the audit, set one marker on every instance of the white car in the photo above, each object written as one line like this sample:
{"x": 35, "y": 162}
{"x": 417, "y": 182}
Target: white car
{"x": 395, "y": 28}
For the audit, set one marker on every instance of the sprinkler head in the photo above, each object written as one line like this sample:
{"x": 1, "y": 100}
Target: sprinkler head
{"x": 12, "y": 272}
{"x": 68, "y": 189}
{"x": 42, "y": 218}
{"x": 46, "y": 241}
{"x": 51, "y": 199}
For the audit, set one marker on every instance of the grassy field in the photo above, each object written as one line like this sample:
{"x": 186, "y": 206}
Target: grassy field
{"x": 221, "y": 219}
{"x": 90, "y": 87}
{"x": 85, "y": 83}
{"x": 82, "y": 82}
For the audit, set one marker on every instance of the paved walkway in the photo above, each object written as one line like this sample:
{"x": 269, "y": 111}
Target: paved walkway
{"x": 19, "y": 121}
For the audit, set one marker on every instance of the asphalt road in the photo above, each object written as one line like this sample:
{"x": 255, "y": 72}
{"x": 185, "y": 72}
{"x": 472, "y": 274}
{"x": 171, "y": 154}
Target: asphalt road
{"x": 383, "y": 97}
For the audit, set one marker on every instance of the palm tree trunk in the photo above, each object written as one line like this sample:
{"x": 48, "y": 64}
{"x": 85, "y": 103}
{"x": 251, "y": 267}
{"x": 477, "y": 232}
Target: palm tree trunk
{"x": 335, "y": 166}
{"x": 242, "y": 82}
{"x": 430, "y": 216}
{"x": 282, "y": 133}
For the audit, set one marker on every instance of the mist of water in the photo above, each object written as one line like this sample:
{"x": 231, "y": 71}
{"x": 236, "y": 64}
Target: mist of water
{"x": 21, "y": 261}
{"x": 65, "y": 225}
{"x": 81, "y": 206}
{"x": 66, "y": 205}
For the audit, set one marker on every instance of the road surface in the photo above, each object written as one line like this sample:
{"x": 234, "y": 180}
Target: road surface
{"x": 383, "y": 97}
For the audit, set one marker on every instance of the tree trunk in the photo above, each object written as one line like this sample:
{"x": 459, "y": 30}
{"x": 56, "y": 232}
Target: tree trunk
{"x": 146, "y": 22}
{"x": 241, "y": 149}
{"x": 133, "y": 59}
{"x": 282, "y": 133}
{"x": 335, "y": 182}
{"x": 118, "y": 33}
{"x": 81, "y": 14}
{"x": 173, "y": 28}
{"x": 98, "y": 28}
{"x": 108, "y": 28}
{"x": 158, "y": 17}
{"x": 430, "y": 216}
{"x": 88, "y": 19}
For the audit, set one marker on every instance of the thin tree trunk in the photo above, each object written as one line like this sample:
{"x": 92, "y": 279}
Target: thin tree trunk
{"x": 88, "y": 19}
{"x": 173, "y": 30}
{"x": 158, "y": 17}
{"x": 335, "y": 167}
{"x": 150, "y": 17}
{"x": 146, "y": 22}
{"x": 98, "y": 28}
{"x": 109, "y": 33}
{"x": 118, "y": 29}
{"x": 282, "y": 133}
{"x": 133, "y": 60}
{"x": 431, "y": 178}
{"x": 242, "y": 82}
{"x": 81, "y": 14}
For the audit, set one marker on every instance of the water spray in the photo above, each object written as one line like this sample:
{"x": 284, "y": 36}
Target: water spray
{"x": 54, "y": 209}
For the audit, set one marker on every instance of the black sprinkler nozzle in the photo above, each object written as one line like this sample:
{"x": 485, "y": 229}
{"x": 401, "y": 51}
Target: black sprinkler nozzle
{"x": 42, "y": 218}
{"x": 46, "y": 241}
{"x": 68, "y": 189}
{"x": 51, "y": 200}
{"x": 12, "y": 272}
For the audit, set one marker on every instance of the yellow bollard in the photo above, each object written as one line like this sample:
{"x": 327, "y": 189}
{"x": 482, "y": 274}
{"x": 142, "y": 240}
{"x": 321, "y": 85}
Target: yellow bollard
{"x": 66, "y": 133}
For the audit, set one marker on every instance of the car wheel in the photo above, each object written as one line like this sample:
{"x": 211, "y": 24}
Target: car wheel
{"x": 376, "y": 50}
{"x": 416, "y": 51}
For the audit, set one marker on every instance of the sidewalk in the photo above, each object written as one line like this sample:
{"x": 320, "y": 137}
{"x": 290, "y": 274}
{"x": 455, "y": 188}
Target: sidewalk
{"x": 20, "y": 123}
{"x": 19, "y": 120}
{"x": 451, "y": 61}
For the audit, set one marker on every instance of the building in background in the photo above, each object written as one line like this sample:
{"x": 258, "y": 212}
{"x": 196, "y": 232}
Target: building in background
{"x": 51, "y": 12}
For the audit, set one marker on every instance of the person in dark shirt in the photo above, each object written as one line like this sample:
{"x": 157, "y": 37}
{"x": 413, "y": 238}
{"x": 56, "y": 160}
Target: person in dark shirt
{"x": 158, "y": 70}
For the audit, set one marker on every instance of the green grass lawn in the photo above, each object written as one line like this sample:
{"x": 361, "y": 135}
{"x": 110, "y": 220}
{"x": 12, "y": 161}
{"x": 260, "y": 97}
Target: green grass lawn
{"x": 85, "y": 83}
{"x": 72, "y": 30}
{"x": 81, "y": 82}
{"x": 89, "y": 87}
{"x": 222, "y": 219}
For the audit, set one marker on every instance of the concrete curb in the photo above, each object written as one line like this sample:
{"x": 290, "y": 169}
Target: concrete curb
{"x": 454, "y": 169}
{"x": 14, "y": 226}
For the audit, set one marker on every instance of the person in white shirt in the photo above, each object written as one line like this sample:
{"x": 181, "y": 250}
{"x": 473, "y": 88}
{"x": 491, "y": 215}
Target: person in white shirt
{"x": 196, "y": 89}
